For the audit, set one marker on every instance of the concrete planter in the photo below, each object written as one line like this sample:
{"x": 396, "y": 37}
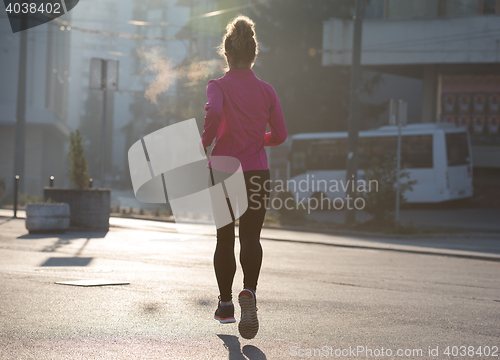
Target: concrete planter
{"x": 47, "y": 217}
{"x": 89, "y": 208}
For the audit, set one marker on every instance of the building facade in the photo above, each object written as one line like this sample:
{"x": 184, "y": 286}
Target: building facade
{"x": 453, "y": 47}
{"x": 47, "y": 81}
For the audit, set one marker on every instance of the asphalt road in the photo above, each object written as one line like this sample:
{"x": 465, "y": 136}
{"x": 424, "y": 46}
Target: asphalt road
{"x": 310, "y": 296}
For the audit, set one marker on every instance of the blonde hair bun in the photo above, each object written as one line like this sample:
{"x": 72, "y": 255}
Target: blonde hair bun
{"x": 240, "y": 42}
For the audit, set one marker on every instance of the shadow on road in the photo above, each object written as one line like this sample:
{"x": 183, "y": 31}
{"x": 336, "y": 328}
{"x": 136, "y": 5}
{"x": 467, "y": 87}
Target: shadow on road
{"x": 5, "y": 221}
{"x": 233, "y": 345}
{"x": 253, "y": 353}
{"x": 66, "y": 239}
{"x": 72, "y": 235}
{"x": 67, "y": 261}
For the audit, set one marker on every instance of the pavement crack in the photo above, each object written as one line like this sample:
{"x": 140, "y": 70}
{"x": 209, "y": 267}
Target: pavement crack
{"x": 355, "y": 285}
{"x": 346, "y": 284}
{"x": 404, "y": 291}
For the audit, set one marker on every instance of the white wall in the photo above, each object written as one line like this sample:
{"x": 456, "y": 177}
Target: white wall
{"x": 472, "y": 39}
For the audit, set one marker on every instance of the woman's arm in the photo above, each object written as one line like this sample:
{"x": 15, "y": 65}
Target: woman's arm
{"x": 276, "y": 122}
{"x": 214, "y": 109}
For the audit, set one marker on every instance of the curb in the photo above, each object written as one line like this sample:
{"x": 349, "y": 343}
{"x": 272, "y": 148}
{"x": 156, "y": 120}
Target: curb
{"x": 390, "y": 247}
{"x": 481, "y": 234}
{"x": 366, "y": 234}
{"x": 402, "y": 248}
{"x": 353, "y": 233}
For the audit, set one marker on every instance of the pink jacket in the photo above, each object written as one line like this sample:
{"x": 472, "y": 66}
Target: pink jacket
{"x": 239, "y": 108}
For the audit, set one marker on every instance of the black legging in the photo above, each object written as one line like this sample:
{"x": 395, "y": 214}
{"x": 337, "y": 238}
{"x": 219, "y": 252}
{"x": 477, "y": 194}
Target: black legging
{"x": 250, "y": 225}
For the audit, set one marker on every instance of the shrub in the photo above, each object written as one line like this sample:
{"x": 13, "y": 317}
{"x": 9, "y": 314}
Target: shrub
{"x": 25, "y": 199}
{"x": 296, "y": 213}
{"x": 381, "y": 204}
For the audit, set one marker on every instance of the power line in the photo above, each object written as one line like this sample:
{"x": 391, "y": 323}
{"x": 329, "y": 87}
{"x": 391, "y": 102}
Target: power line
{"x": 220, "y": 12}
{"x": 129, "y": 22}
{"x": 113, "y": 34}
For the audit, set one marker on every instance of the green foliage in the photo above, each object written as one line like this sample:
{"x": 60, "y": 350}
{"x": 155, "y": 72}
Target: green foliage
{"x": 293, "y": 215}
{"x": 313, "y": 97}
{"x": 271, "y": 219}
{"x": 91, "y": 128}
{"x": 25, "y": 199}
{"x": 3, "y": 189}
{"x": 167, "y": 212}
{"x": 381, "y": 200}
{"x": 78, "y": 170}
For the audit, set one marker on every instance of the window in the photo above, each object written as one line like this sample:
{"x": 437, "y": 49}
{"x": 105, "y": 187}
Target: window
{"x": 398, "y": 9}
{"x": 320, "y": 154}
{"x": 298, "y": 157}
{"x": 490, "y": 6}
{"x": 331, "y": 154}
{"x": 365, "y": 148}
{"x": 327, "y": 154}
{"x": 461, "y": 7}
{"x": 375, "y": 9}
{"x": 383, "y": 146}
{"x": 416, "y": 150}
{"x": 457, "y": 149}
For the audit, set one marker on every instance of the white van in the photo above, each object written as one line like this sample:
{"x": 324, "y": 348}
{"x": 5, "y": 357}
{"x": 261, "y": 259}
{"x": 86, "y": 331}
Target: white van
{"x": 437, "y": 155}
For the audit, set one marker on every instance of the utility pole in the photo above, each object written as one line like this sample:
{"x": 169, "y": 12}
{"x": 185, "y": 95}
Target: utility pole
{"x": 104, "y": 76}
{"x": 20, "y": 136}
{"x": 398, "y": 110}
{"x": 354, "y": 114}
{"x": 104, "y": 65}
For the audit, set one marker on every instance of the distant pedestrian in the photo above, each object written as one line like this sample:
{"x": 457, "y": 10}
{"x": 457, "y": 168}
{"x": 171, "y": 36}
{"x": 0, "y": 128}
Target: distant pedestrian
{"x": 239, "y": 108}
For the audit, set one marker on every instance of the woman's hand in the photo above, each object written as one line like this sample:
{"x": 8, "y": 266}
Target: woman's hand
{"x": 203, "y": 151}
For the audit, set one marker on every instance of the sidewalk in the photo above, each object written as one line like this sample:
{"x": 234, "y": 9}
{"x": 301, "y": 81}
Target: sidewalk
{"x": 471, "y": 219}
{"x": 480, "y": 246}
{"x": 475, "y": 219}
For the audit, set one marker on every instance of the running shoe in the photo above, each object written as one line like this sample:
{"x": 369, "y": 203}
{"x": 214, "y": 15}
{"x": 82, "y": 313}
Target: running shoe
{"x": 225, "y": 313}
{"x": 249, "y": 324}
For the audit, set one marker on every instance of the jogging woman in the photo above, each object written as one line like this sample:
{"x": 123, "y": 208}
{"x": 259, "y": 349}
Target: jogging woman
{"x": 239, "y": 108}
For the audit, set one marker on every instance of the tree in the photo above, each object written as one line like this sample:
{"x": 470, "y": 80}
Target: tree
{"x": 380, "y": 202}
{"x": 290, "y": 212}
{"x": 78, "y": 170}
{"x": 3, "y": 188}
{"x": 313, "y": 97}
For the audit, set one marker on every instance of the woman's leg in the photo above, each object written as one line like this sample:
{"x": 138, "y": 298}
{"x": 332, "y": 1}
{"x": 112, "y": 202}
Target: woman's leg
{"x": 224, "y": 261}
{"x": 250, "y": 226}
